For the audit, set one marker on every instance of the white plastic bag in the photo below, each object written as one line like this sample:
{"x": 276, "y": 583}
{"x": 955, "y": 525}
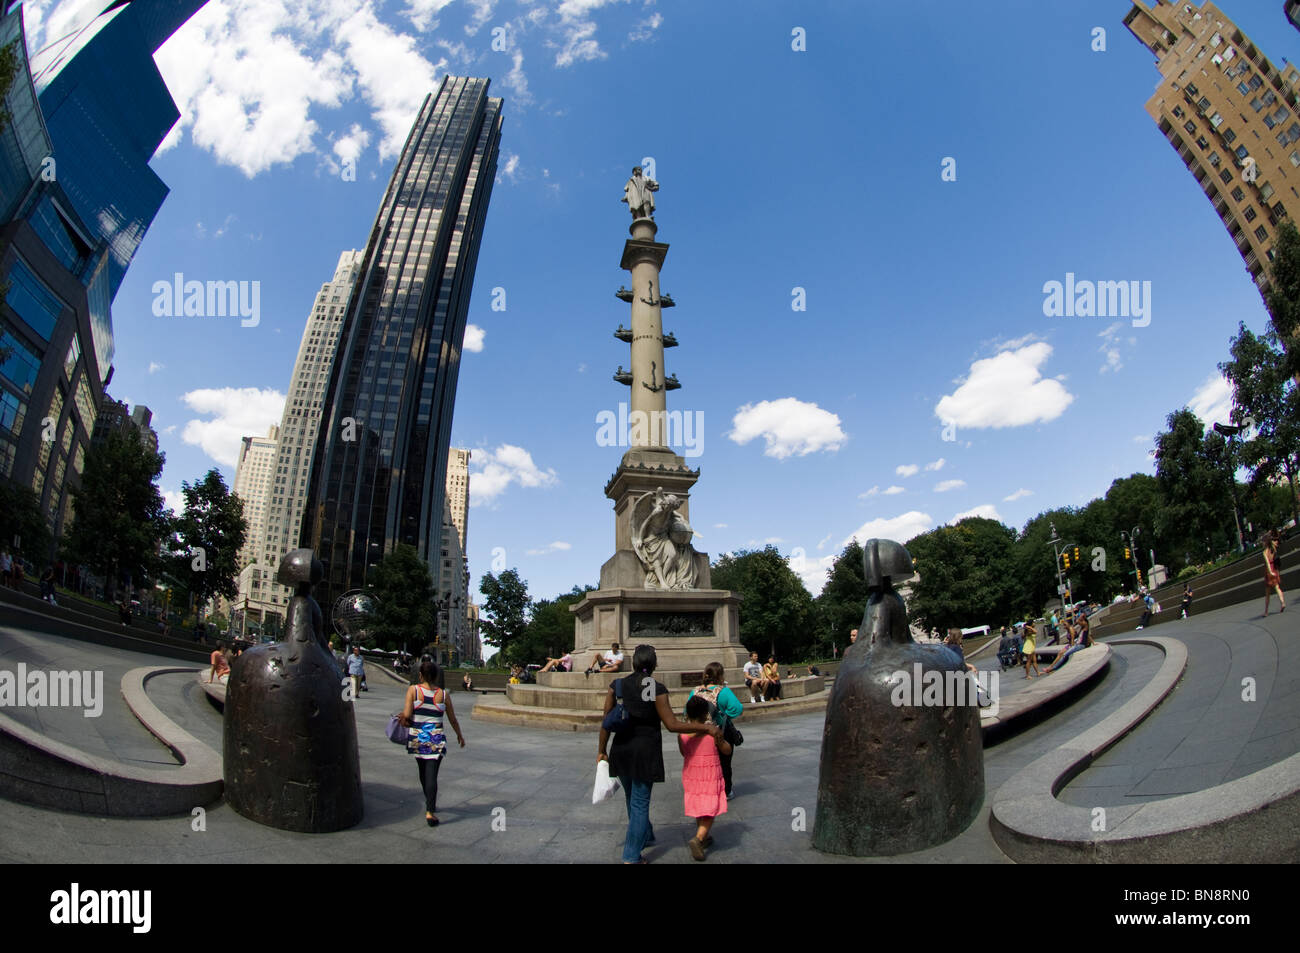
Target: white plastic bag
{"x": 606, "y": 787}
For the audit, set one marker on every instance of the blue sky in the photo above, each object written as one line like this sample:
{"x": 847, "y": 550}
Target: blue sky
{"x": 780, "y": 169}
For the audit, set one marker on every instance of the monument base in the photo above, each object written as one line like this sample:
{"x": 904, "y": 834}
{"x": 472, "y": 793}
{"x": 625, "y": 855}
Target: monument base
{"x": 689, "y": 628}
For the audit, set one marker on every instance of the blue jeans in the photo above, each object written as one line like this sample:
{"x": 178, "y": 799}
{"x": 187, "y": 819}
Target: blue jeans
{"x": 639, "y": 829}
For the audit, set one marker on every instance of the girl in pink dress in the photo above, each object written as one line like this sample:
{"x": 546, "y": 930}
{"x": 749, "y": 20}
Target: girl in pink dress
{"x": 702, "y": 776}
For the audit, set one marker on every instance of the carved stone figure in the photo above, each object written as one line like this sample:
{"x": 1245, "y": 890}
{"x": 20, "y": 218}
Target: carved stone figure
{"x": 290, "y": 735}
{"x": 661, "y": 538}
{"x": 638, "y": 193}
{"x": 902, "y": 767}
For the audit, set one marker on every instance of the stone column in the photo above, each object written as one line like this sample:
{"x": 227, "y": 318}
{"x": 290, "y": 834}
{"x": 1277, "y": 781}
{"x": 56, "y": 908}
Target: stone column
{"x": 644, "y": 257}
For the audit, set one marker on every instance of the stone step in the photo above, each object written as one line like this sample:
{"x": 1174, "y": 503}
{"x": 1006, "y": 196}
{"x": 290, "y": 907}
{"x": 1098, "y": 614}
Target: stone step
{"x": 593, "y": 697}
{"x": 601, "y": 680}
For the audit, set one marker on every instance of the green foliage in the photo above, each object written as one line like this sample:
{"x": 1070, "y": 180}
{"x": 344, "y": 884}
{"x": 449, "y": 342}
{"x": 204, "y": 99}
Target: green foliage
{"x": 777, "y": 615}
{"x": 1283, "y": 297}
{"x": 402, "y": 585}
{"x": 549, "y": 633}
{"x": 1266, "y": 393}
{"x": 119, "y": 517}
{"x": 843, "y": 598}
{"x": 967, "y": 574}
{"x": 20, "y": 516}
{"x": 206, "y": 539}
{"x": 504, "y": 618}
{"x": 1194, "y": 474}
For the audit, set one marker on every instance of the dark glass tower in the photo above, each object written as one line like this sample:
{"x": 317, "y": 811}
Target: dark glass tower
{"x": 76, "y": 198}
{"x": 380, "y": 467}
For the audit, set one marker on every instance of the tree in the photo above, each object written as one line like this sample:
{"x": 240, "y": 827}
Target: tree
{"x": 402, "y": 585}
{"x": 20, "y": 518}
{"x": 207, "y": 538}
{"x": 843, "y": 599}
{"x": 1268, "y": 395}
{"x": 1283, "y": 296}
{"x": 505, "y": 608}
{"x": 1193, "y": 473}
{"x": 119, "y": 517}
{"x": 966, "y": 575}
{"x": 549, "y": 633}
{"x": 776, "y": 616}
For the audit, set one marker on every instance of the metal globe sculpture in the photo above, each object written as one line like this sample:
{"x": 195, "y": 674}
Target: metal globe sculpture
{"x": 353, "y": 614}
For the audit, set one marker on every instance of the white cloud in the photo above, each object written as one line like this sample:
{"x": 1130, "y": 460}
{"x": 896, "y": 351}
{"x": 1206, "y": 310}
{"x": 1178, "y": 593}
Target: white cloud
{"x": 1212, "y": 401}
{"x": 578, "y": 31}
{"x": 894, "y": 491}
{"x": 987, "y": 510}
{"x": 936, "y": 465}
{"x": 350, "y": 146}
{"x": 645, "y": 29}
{"x": 154, "y": 366}
{"x": 248, "y": 75}
{"x": 947, "y": 485}
{"x": 719, "y": 525}
{"x": 237, "y": 412}
{"x": 825, "y": 539}
{"x": 1007, "y": 390}
{"x": 789, "y": 427}
{"x": 511, "y": 168}
{"x": 559, "y": 546}
{"x": 875, "y": 490}
{"x": 501, "y": 467}
{"x": 1019, "y": 494}
{"x": 1110, "y": 347}
{"x": 174, "y": 500}
{"x": 900, "y": 528}
{"x": 474, "y": 336}
{"x": 811, "y": 572}
{"x": 1142, "y": 438}
{"x": 421, "y": 13}
{"x": 482, "y": 13}
{"x": 907, "y": 469}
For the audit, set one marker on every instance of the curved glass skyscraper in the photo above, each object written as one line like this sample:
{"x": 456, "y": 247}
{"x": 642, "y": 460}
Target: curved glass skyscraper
{"x": 379, "y": 471}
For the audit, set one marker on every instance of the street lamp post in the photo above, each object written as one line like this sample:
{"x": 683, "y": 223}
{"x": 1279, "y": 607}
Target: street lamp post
{"x": 1229, "y": 431}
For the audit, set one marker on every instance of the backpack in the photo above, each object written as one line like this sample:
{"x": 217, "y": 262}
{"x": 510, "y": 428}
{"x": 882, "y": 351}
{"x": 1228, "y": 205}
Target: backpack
{"x": 730, "y": 733}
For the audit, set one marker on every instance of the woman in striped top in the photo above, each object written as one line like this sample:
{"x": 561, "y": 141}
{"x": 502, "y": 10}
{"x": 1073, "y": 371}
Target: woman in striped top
{"x": 426, "y": 704}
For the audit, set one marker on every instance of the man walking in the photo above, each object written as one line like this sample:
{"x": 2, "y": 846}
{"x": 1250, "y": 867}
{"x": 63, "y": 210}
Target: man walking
{"x": 356, "y": 670}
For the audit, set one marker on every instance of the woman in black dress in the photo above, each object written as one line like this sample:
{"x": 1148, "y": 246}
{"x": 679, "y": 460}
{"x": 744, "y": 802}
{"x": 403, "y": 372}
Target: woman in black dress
{"x": 637, "y": 757}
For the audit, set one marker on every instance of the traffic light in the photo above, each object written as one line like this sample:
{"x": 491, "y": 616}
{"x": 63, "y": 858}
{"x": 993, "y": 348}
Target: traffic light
{"x": 1065, "y": 556}
{"x": 1127, "y": 554}
{"x": 1076, "y": 554}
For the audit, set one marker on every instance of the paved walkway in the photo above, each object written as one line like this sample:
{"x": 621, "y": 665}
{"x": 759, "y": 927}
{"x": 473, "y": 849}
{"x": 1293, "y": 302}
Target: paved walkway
{"x": 1211, "y": 729}
{"x": 522, "y": 795}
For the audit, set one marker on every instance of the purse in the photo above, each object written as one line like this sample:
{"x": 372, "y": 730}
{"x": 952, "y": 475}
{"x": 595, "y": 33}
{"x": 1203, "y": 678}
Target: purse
{"x": 397, "y": 732}
{"x": 618, "y": 719}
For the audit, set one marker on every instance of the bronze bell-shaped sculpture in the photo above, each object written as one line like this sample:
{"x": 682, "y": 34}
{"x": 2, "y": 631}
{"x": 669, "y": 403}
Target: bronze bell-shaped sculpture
{"x": 290, "y": 733}
{"x": 901, "y": 769}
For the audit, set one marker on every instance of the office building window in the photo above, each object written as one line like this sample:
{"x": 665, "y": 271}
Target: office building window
{"x": 12, "y": 412}
{"x": 1261, "y": 233}
{"x": 1237, "y": 194}
{"x": 1226, "y": 176}
{"x": 1250, "y": 213}
{"x": 31, "y": 300}
{"x": 22, "y": 366}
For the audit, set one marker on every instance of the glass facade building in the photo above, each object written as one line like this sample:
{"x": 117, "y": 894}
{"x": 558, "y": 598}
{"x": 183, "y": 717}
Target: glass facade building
{"x": 77, "y": 196}
{"x": 379, "y": 471}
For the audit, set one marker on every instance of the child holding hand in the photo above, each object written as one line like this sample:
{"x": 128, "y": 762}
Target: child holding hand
{"x": 705, "y": 796}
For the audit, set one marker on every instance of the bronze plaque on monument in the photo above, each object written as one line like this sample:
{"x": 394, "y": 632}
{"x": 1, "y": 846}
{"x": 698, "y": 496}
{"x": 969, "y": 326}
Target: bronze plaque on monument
{"x": 669, "y": 625}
